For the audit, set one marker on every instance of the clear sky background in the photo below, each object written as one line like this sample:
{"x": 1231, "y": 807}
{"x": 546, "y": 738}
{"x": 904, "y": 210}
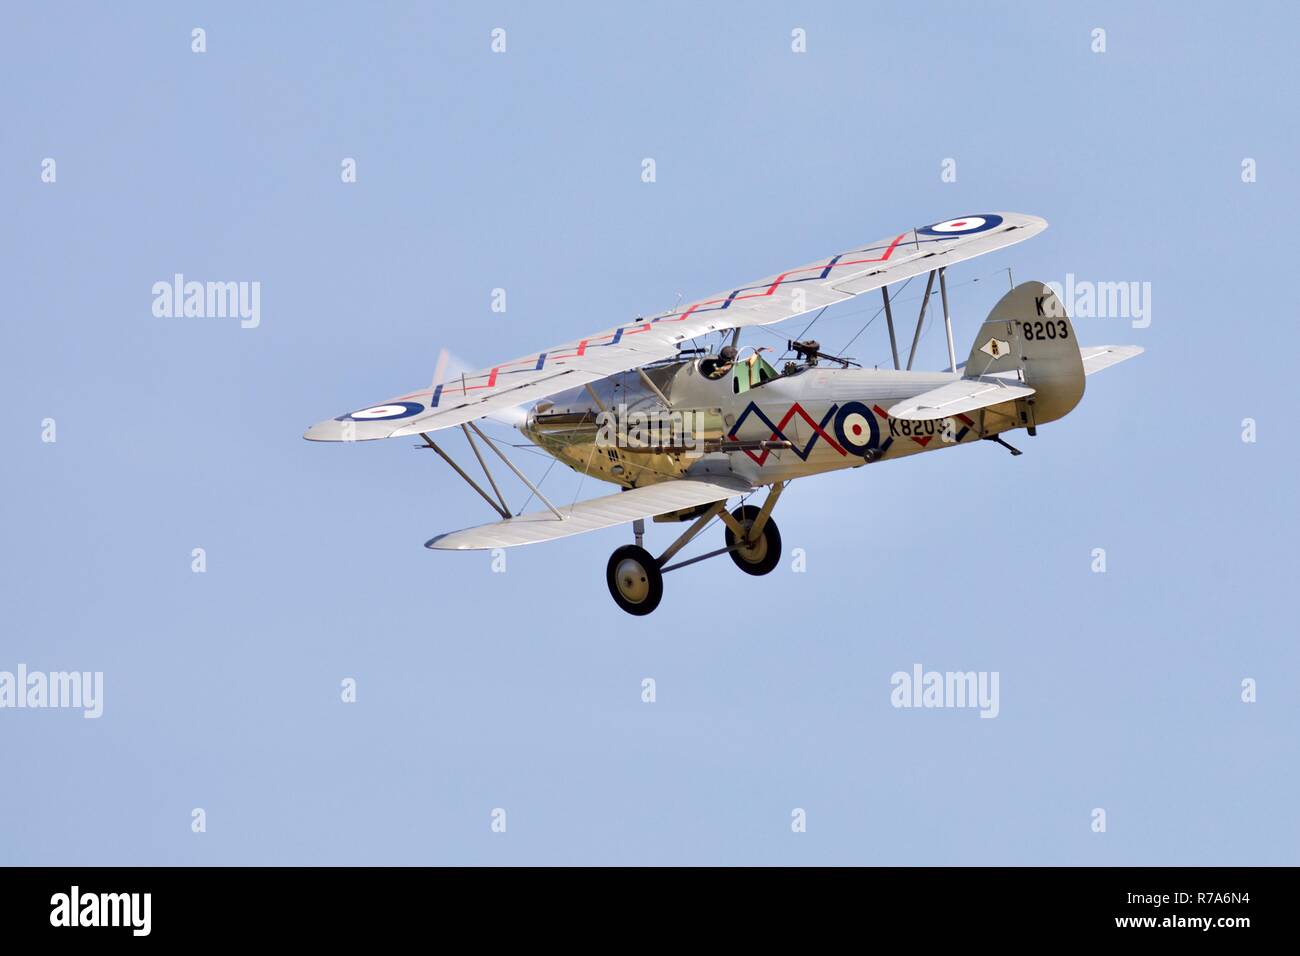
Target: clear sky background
{"x": 522, "y": 690}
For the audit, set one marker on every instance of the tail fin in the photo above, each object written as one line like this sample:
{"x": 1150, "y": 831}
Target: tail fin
{"x": 1028, "y": 332}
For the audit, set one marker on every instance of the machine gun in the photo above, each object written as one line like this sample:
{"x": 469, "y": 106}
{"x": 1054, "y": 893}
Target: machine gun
{"x": 811, "y": 351}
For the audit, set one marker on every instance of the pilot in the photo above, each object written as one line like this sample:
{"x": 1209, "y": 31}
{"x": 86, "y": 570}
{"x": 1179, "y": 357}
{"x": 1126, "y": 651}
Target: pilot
{"x": 715, "y": 367}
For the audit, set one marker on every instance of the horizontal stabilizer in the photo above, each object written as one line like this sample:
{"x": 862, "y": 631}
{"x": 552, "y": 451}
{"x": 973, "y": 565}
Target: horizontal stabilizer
{"x": 593, "y": 514}
{"x": 963, "y": 395}
{"x": 1098, "y": 357}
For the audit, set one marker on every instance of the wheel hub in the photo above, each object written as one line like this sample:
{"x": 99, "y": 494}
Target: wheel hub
{"x": 632, "y": 581}
{"x": 753, "y": 552}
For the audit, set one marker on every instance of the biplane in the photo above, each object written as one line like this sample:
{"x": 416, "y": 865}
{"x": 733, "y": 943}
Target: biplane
{"x": 683, "y": 429}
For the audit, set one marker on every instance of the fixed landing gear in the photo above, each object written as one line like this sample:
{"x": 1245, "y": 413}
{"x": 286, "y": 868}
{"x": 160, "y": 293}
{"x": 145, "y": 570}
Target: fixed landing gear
{"x": 635, "y": 581}
{"x": 759, "y": 555}
{"x": 636, "y": 577}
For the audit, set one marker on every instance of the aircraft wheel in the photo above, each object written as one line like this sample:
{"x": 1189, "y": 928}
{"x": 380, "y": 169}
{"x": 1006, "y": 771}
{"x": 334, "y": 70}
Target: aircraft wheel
{"x": 634, "y": 580}
{"x": 765, "y": 553}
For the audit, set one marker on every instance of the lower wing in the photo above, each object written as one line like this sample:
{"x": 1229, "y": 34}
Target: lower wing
{"x": 593, "y": 514}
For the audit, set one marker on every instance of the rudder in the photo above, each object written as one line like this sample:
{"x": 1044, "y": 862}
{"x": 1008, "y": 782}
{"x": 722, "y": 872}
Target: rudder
{"x": 1029, "y": 332}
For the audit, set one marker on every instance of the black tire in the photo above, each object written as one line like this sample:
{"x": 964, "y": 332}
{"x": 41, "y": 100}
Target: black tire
{"x": 765, "y": 555}
{"x": 635, "y": 581}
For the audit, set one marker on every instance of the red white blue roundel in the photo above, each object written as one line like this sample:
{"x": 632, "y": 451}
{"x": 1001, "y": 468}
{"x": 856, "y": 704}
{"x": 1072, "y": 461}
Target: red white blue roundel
{"x": 383, "y": 413}
{"x": 965, "y": 226}
{"x": 856, "y": 428}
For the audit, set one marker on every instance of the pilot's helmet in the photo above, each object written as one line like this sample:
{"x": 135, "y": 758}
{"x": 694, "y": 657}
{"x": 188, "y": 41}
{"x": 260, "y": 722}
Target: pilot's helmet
{"x": 716, "y": 366}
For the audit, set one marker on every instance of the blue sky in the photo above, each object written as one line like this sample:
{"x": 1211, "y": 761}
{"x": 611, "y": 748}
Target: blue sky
{"x": 480, "y": 690}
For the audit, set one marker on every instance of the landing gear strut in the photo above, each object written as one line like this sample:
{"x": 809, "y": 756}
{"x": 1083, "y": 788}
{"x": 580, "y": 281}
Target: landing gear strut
{"x": 755, "y": 554}
{"x": 636, "y": 578}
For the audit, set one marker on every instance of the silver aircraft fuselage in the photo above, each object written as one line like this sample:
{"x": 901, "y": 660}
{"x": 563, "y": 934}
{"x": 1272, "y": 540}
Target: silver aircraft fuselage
{"x": 753, "y": 422}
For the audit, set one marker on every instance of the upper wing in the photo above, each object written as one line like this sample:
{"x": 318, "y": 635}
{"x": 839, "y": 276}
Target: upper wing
{"x": 963, "y": 395}
{"x": 781, "y": 296}
{"x": 593, "y": 514}
{"x": 1098, "y": 357}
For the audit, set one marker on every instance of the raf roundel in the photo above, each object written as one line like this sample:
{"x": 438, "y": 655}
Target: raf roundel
{"x": 383, "y": 413}
{"x": 856, "y": 428}
{"x": 965, "y": 226}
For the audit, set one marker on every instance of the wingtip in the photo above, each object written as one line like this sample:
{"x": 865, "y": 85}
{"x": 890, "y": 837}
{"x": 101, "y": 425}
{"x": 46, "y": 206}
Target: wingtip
{"x": 340, "y": 430}
{"x": 1037, "y": 223}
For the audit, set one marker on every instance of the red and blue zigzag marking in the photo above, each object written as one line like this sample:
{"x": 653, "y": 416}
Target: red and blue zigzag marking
{"x": 820, "y": 431}
{"x": 538, "y": 362}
